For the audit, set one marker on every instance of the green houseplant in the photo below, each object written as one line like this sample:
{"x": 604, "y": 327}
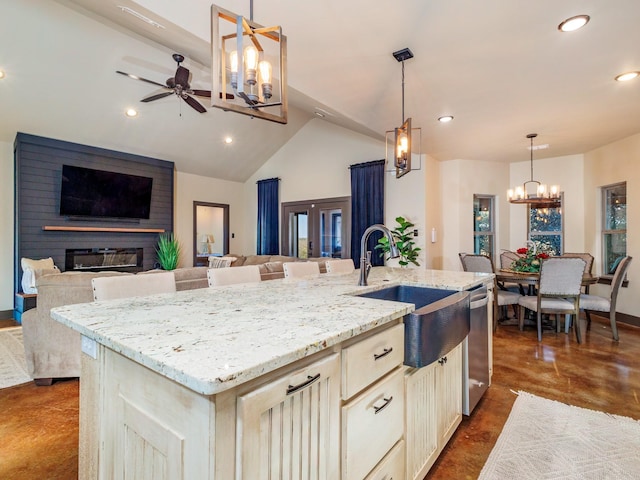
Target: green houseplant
{"x": 168, "y": 251}
{"x": 403, "y": 235}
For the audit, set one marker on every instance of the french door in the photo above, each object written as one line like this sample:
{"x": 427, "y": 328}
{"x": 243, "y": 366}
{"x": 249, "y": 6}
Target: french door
{"x": 317, "y": 228}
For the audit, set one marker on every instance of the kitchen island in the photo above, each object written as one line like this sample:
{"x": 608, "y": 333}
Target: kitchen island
{"x": 188, "y": 385}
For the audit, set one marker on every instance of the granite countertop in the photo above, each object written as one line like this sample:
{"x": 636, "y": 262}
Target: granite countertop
{"x": 213, "y": 339}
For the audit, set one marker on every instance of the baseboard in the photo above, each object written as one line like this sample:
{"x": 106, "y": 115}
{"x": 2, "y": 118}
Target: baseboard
{"x": 6, "y": 315}
{"x": 620, "y": 318}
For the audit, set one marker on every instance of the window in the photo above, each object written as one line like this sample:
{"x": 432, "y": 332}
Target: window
{"x": 546, "y": 226}
{"x": 614, "y": 226}
{"x": 483, "y": 225}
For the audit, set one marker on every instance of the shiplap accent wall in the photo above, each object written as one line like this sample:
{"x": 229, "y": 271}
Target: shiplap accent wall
{"x": 38, "y": 171}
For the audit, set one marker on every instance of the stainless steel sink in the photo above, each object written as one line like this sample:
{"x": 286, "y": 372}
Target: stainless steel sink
{"x": 439, "y": 323}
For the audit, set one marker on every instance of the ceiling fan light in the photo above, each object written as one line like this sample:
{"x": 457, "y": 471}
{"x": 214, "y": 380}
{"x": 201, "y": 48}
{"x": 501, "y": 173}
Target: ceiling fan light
{"x": 625, "y": 77}
{"x": 574, "y": 23}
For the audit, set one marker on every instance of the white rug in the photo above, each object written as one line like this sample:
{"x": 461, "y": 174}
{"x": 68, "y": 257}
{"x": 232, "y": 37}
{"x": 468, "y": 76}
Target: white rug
{"x": 545, "y": 439}
{"x": 13, "y": 366}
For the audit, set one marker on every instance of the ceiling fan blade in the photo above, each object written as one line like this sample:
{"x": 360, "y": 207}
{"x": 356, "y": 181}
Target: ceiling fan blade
{"x": 193, "y": 103}
{"x": 182, "y": 77}
{"x": 157, "y": 96}
{"x": 200, "y": 93}
{"x": 135, "y": 77}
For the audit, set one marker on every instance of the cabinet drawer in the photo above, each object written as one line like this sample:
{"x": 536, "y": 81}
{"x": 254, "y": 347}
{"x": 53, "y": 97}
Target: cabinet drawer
{"x": 372, "y": 423}
{"x": 392, "y": 467}
{"x": 370, "y": 359}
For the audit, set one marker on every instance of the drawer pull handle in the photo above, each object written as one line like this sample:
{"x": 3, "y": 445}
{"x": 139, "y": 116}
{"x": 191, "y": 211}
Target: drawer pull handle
{"x": 387, "y": 401}
{"x": 385, "y": 352}
{"x": 294, "y": 388}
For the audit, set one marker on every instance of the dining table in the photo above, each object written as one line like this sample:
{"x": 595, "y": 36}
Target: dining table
{"x": 532, "y": 279}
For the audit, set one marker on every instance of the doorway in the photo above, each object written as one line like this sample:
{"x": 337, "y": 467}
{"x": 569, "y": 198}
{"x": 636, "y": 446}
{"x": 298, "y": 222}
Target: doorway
{"x": 317, "y": 228}
{"x": 210, "y": 231}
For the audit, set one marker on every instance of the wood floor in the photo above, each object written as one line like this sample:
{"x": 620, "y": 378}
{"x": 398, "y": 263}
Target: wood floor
{"x": 39, "y": 425}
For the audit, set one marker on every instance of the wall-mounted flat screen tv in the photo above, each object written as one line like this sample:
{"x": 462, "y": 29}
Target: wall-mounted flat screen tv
{"x": 97, "y": 193}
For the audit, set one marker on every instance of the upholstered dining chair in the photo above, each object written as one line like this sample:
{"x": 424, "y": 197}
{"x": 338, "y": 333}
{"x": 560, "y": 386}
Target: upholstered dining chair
{"x": 301, "y": 269}
{"x": 218, "y": 277}
{"x": 112, "y": 288}
{"x": 588, "y": 258}
{"x": 601, "y": 304}
{"x": 339, "y": 266}
{"x": 558, "y": 292}
{"x": 503, "y": 298}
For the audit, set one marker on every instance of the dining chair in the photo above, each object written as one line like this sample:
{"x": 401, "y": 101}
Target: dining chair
{"x": 503, "y": 298}
{"x": 218, "y": 277}
{"x": 112, "y": 288}
{"x": 559, "y": 292}
{"x": 339, "y": 266}
{"x": 301, "y": 269}
{"x": 588, "y": 258}
{"x": 597, "y": 303}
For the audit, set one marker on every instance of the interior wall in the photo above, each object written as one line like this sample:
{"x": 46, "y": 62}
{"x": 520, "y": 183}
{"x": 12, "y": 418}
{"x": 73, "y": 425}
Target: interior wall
{"x": 6, "y": 232}
{"x": 190, "y": 188}
{"x": 313, "y": 164}
{"x": 433, "y": 214}
{"x": 460, "y": 180}
{"x": 614, "y": 163}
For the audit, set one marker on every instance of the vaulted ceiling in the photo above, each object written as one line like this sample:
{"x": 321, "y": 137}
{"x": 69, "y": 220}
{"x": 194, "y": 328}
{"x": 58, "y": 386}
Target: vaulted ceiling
{"x": 501, "y": 68}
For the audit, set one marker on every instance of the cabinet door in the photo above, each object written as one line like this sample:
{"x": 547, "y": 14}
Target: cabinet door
{"x": 449, "y": 393}
{"x": 421, "y": 430}
{"x": 289, "y": 428}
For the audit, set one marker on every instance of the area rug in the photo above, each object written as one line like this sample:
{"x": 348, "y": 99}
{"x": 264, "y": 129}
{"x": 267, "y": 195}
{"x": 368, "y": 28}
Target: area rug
{"x": 13, "y": 366}
{"x": 545, "y": 439}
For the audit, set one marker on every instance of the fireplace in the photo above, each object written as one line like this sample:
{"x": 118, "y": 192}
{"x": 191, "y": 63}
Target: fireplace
{"x": 100, "y": 259}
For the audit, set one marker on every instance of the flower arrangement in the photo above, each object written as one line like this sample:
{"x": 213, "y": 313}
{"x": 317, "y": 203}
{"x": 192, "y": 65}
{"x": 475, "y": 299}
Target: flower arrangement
{"x": 529, "y": 262}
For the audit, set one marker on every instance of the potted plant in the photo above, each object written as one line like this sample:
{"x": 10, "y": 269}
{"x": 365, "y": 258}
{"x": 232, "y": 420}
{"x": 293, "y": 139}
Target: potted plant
{"x": 168, "y": 251}
{"x": 403, "y": 235}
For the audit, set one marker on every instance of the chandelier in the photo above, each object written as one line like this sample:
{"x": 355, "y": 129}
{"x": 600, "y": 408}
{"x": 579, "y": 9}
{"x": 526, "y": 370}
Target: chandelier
{"x": 402, "y": 146}
{"x": 244, "y": 58}
{"x": 533, "y": 192}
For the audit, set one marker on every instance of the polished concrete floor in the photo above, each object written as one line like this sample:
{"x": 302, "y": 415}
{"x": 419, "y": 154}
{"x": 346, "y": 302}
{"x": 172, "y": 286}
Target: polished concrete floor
{"x": 39, "y": 425}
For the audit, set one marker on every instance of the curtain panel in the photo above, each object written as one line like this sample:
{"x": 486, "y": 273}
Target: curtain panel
{"x": 367, "y": 207}
{"x": 268, "y": 204}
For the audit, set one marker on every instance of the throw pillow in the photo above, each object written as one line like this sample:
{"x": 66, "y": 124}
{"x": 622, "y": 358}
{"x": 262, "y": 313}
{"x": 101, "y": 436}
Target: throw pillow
{"x": 219, "y": 262}
{"x": 32, "y": 269}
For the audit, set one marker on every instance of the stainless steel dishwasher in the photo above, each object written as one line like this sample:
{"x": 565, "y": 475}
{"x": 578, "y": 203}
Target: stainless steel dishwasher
{"x": 475, "y": 352}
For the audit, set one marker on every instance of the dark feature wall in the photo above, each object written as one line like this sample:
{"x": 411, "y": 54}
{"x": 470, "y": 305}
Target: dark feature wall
{"x": 38, "y": 170}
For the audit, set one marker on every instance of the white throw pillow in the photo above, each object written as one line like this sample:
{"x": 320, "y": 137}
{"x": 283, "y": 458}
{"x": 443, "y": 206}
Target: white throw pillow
{"x": 32, "y": 269}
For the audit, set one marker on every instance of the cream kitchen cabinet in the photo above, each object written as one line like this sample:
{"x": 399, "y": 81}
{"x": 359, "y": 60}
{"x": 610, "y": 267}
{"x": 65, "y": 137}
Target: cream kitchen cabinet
{"x": 289, "y": 428}
{"x": 433, "y": 410}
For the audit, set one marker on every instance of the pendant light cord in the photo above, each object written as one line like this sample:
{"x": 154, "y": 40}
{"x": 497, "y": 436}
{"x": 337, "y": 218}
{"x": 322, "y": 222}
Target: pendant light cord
{"x": 402, "y": 92}
{"x": 251, "y": 10}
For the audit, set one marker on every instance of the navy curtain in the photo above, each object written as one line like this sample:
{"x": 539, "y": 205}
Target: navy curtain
{"x": 268, "y": 217}
{"x": 367, "y": 207}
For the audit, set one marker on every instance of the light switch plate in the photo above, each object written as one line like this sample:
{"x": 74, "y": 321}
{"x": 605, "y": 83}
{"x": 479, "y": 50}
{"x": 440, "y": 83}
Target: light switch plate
{"x": 89, "y": 346}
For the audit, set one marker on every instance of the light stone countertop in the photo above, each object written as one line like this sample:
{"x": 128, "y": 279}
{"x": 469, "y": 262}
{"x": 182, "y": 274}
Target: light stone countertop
{"x": 213, "y": 339}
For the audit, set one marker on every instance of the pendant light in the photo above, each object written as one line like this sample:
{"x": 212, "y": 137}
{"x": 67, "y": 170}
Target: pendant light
{"x": 533, "y": 192}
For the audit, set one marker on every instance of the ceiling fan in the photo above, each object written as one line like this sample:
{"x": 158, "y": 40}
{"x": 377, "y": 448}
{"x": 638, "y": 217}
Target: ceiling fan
{"x": 178, "y": 84}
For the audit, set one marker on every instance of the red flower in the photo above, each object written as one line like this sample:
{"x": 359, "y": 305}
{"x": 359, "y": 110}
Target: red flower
{"x": 543, "y": 255}
{"x": 522, "y": 251}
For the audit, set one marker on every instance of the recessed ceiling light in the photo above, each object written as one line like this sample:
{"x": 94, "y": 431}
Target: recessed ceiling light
{"x": 131, "y": 112}
{"x": 228, "y": 140}
{"x": 1, "y": 73}
{"x": 445, "y": 118}
{"x": 574, "y": 23}
{"x": 625, "y": 77}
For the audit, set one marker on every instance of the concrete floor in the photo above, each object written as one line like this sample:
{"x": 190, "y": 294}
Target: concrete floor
{"x": 39, "y": 425}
